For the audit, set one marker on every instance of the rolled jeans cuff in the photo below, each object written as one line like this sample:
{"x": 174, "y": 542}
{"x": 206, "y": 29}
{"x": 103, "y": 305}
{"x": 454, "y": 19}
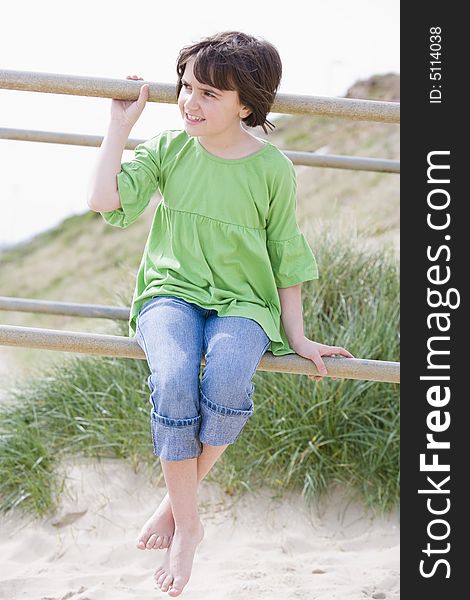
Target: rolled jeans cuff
{"x": 175, "y": 439}
{"x": 221, "y": 425}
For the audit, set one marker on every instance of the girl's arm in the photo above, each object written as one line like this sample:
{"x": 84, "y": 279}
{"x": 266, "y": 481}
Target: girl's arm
{"x": 293, "y": 323}
{"x": 291, "y": 313}
{"x": 103, "y": 194}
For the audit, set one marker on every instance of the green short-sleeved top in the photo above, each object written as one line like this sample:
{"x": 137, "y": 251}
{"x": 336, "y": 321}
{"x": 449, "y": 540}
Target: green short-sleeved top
{"x": 224, "y": 236}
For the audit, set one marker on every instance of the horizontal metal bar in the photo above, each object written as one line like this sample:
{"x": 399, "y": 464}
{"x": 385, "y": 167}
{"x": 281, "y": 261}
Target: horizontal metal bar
{"x": 125, "y": 89}
{"x": 99, "y": 311}
{"x": 125, "y": 347}
{"x": 334, "y": 161}
{"x": 309, "y": 159}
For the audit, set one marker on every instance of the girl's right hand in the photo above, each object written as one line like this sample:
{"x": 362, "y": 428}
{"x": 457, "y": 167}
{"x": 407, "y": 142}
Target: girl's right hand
{"x": 127, "y": 112}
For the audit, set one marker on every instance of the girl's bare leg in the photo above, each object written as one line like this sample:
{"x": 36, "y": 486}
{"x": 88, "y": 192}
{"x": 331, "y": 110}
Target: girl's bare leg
{"x": 158, "y": 530}
{"x": 181, "y": 481}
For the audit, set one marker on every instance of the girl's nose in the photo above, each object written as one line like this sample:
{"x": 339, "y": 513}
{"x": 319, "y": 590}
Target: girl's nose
{"x": 191, "y": 100}
{"x": 191, "y": 107}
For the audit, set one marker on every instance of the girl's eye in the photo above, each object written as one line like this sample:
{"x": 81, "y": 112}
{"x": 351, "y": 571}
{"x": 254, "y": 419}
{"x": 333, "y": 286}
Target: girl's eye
{"x": 186, "y": 85}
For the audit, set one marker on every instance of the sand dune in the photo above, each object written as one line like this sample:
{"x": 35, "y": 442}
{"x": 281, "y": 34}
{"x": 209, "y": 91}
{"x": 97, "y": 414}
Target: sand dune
{"x": 255, "y": 547}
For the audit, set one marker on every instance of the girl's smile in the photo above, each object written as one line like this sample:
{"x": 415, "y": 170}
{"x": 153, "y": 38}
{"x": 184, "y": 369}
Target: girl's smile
{"x": 193, "y": 119}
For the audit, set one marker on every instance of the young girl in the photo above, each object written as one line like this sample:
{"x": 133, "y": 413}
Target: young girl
{"x": 221, "y": 271}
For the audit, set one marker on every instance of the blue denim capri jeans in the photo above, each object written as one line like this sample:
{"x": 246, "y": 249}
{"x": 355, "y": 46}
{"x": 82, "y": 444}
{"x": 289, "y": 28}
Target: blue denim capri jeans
{"x": 189, "y": 409}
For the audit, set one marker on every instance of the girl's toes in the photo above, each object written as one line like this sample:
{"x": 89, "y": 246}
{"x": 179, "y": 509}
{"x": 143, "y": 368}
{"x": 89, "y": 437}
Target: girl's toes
{"x": 151, "y": 541}
{"x": 167, "y": 582}
{"x": 175, "y": 590}
{"x": 141, "y": 544}
{"x": 158, "y": 573}
{"x": 157, "y": 544}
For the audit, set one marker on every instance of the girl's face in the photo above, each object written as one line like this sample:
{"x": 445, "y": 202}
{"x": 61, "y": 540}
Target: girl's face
{"x": 220, "y": 111}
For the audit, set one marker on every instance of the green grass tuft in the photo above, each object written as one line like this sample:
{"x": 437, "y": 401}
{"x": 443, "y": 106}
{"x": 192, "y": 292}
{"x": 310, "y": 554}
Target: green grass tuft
{"x": 303, "y": 436}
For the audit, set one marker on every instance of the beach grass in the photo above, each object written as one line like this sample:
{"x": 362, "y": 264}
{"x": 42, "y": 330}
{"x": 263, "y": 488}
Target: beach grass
{"x": 304, "y": 435}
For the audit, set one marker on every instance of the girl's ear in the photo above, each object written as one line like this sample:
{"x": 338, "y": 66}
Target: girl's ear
{"x": 245, "y": 112}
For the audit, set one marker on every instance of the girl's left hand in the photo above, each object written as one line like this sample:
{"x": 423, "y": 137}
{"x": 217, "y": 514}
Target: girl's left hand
{"x": 314, "y": 351}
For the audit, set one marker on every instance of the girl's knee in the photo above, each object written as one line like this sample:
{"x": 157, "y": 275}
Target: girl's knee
{"x": 222, "y": 421}
{"x": 233, "y": 391}
{"x": 174, "y": 398}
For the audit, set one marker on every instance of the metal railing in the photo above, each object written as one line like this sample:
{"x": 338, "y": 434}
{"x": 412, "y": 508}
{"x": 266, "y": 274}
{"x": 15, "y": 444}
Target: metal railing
{"x": 124, "y": 347}
{"x": 111, "y": 345}
{"x": 309, "y": 159}
{"x": 126, "y": 89}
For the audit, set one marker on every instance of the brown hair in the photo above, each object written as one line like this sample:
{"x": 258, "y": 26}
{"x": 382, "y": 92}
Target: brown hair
{"x": 232, "y": 60}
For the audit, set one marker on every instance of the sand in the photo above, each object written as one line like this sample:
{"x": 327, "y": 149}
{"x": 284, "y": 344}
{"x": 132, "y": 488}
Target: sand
{"x": 255, "y": 547}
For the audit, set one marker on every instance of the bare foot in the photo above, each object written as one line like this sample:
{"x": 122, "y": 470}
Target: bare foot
{"x": 157, "y": 532}
{"x": 175, "y": 571}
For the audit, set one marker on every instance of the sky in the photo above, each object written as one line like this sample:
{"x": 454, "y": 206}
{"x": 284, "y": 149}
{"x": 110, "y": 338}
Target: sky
{"x": 324, "y": 46}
